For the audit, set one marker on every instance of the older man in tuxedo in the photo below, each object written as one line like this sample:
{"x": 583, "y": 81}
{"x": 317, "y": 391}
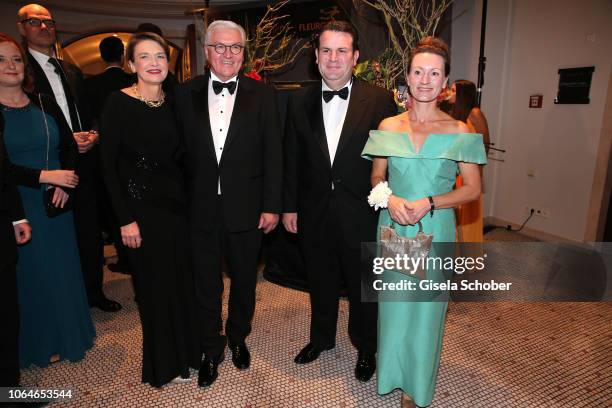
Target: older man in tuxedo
{"x": 64, "y": 82}
{"x": 231, "y": 132}
{"x": 14, "y": 228}
{"x": 326, "y": 188}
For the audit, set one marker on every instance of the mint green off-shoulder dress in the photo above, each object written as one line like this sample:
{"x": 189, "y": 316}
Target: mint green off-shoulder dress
{"x": 410, "y": 332}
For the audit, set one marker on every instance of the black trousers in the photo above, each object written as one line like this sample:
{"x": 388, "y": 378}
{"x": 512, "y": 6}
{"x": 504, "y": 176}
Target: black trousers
{"x": 329, "y": 262}
{"x": 241, "y": 251}
{"x": 89, "y": 235}
{"x": 9, "y": 340}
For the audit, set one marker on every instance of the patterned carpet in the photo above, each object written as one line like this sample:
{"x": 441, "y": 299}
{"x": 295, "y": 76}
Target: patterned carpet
{"x": 495, "y": 355}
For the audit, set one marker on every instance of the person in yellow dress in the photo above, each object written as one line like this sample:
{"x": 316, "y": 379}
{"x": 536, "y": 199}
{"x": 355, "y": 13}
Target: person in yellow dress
{"x": 464, "y": 107}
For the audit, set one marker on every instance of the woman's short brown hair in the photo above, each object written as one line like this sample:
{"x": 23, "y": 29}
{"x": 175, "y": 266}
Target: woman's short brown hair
{"x": 28, "y": 80}
{"x": 432, "y": 45}
{"x": 140, "y": 37}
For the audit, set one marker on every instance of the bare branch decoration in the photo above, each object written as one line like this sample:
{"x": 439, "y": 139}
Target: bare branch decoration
{"x": 274, "y": 45}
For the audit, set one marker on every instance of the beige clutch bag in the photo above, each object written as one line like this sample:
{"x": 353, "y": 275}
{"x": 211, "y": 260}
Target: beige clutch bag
{"x": 393, "y": 245}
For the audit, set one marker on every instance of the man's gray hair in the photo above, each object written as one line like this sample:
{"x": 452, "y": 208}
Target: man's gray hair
{"x": 225, "y": 25}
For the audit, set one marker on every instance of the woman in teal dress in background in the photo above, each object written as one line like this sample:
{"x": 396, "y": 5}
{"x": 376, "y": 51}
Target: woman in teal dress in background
{"x": 54, "y": 313}
{"x": 420, "y": 152}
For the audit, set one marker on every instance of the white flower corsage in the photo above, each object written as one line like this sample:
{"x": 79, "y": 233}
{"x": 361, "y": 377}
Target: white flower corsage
{"x": 379, "y": 196}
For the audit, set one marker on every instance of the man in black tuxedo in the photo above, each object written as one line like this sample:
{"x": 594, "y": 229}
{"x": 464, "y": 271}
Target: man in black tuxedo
{"x": 64, "y": 82}
{"x": 14, "y": 229}
{"x": 97, "y": 89}
{"x": 114, "y": 78}
{"x": 231, "y": 132}
{"x": 326, "y": 188}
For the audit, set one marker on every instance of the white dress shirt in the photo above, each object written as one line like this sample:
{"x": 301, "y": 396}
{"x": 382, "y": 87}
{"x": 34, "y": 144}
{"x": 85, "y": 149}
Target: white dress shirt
{"x": 334, "y": 113}
{"x": 55, "y": 82}
{"x": 220, "y": 108}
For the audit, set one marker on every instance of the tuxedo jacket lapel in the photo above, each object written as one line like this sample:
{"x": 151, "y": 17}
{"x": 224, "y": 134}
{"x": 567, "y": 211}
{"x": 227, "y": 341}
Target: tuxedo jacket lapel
{"x": 315, "y": 116}
{"x": 244, "y": 99}
{"x": 354, "y": 114}
{"x": 41, "y": 83}
{"x": 200, "y": 106}
{"x": 71, "y": 78}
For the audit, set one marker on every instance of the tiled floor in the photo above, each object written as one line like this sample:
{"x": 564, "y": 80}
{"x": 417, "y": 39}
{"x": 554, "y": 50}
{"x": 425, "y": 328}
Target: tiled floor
{"x": 495, "y": 355}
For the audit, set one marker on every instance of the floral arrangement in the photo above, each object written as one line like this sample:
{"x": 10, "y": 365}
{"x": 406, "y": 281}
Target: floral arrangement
{"x": 381, "y": 70}
{"x": 407, "y": 22}
{"x": 273, "y": 45}
{"x": 253, "y": 74}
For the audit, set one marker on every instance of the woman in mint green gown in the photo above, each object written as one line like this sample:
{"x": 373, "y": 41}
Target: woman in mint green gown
{"x": 419, "y": 153}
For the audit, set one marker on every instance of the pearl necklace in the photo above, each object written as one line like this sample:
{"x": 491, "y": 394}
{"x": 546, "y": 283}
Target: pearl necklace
{"x": 150, "y": 104}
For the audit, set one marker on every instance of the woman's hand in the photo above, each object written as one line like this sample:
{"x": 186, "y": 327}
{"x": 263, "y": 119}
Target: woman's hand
{"x": 61, "y": 178}
{"x": 130, "y": 234}
{"x": 417, "y": 209}
{"x": 290, "y": 222}
{"x": 60, "y": 197}
{"x": 398, "y": 210}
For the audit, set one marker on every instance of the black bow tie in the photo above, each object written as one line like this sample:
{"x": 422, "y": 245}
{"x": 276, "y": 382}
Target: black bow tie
{"x": 218, "y": 87}
{"x": 342, "y": 93}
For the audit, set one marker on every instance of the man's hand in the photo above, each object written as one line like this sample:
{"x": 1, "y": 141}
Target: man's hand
{"x": 85, "y": 140}
{"x": 23, "y": 232}
{"x": 94, "y": 136}
{"x": 267, "y": 222}
{"x": 290, "y": 222}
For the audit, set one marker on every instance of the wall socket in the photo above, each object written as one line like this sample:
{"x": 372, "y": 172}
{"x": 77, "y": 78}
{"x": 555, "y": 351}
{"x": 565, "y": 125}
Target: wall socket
{"x": 537, "y": 211}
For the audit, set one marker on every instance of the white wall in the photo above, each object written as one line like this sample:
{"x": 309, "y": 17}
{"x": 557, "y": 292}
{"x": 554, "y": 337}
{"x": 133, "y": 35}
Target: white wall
{"x": 465, "y": 39}
{"x": 526, "y": 43}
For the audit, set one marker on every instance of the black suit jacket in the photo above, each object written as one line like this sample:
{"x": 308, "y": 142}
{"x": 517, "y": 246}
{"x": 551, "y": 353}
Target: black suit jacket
{"x": 308, "y": 170}
{"x": 10, "y": 206}
{"x": 98, "y": 87}
{"x": 88, "y": 162}
{"x": 250, "y": 169}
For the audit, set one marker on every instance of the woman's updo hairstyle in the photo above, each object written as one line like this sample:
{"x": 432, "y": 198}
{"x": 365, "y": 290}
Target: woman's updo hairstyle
{"x": 433, "y": 45}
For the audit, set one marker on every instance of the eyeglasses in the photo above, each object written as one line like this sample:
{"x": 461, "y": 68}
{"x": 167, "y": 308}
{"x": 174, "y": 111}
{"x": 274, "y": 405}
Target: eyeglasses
{"x": 37, "y": 22}
{"x": 221, "y": 48}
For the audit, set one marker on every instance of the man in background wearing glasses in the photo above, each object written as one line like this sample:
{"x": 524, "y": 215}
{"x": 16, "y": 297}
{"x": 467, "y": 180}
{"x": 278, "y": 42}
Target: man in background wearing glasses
{"x": 64, "y": 81}
{"x": 231, "y": 132}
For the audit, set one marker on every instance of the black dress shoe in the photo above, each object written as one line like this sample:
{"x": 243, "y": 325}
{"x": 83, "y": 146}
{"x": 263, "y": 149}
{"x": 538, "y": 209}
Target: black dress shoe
{"x": 240, "y": 355}
{"x": 365, "y": 367}
{"x": 209, "y": 370}
{"x": 106, "y": 305}
{"x": 309, "y": 354}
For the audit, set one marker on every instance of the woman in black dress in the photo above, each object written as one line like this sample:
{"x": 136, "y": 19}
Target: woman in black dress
{"x": 140, "y": 152}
